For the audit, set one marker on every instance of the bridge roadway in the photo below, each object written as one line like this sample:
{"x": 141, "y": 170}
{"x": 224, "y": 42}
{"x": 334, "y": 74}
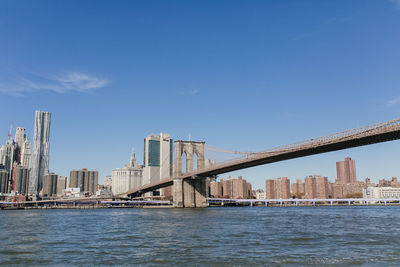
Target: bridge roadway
{"x": 377, "y": 133}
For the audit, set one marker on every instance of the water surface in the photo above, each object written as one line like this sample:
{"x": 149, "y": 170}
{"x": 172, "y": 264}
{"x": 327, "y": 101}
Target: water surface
{"x": 277, "y": 236}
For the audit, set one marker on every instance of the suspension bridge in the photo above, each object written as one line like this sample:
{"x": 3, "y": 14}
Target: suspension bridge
{"x": 189, "y": 187}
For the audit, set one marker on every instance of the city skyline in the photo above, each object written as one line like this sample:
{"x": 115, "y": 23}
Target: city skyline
{"x": 166, "y": 137}
{"x": 183, "y": 70}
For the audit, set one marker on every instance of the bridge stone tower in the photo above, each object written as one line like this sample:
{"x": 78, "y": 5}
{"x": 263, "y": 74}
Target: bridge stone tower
{"x": 189, "y": 193}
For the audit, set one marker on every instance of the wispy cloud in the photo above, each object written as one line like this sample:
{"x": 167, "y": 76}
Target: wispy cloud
{"x": 395, "y": 2}
{"x": 190, "y": 92}
{"x": 20, "y": 85}
{"x": 393, "y": 101}
{"x": 194, "y": 92}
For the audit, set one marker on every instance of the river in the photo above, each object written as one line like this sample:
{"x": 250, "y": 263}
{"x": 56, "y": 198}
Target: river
{"x": 241, "y": 236}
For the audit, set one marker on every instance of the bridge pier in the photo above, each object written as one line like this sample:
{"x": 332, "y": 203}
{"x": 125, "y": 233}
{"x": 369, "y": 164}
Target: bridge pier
{"x": 190, "y": 193}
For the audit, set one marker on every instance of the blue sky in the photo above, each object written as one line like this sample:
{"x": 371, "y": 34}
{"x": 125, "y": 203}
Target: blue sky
{"x": 240, "y": 75}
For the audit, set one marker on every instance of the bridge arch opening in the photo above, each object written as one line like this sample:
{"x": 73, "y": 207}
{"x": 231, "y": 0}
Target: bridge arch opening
{"x": 195, "y": 161}
{"x": 184, "y": 162}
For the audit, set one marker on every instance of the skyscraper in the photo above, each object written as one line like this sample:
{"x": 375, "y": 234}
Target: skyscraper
{"x": 157, "y": 158}
{"x": 23, "y": 156}
{"x": 40, "y": 154}
{"x": 346, "y": 171}
{"x": 26, "y": 154}
{"x": 20, "y": 136}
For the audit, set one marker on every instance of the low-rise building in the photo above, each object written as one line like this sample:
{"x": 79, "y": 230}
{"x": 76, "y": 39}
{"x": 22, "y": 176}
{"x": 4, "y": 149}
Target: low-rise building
{"x": 260, "y": 194}
{"x": 381, "y": 192}
{"x": 72, "y": 192}
{"x": 387, "y": 183}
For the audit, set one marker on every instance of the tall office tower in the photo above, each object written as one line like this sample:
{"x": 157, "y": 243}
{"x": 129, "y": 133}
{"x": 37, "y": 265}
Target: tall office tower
{"x": 26, "y": 154}
{"x": 61, "y": 185}
{"x": 40, "y": 154}
{"x": 85, "y": 180}
{"x": 50, "y": 184}
{"x": 127, "y": 178}
{"x": 157, "y": 158}
{"x": 21, "y": 178}
{"x": 346, "y": 171}
{"x": 20, "y": 136}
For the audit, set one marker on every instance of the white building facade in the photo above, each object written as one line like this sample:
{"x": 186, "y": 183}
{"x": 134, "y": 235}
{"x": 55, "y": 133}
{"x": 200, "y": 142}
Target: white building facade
{"x": 157, "y": 158}
{"x": 260, "y": 195}
{"x": 26, "y": 154}
{"x": 127, "y": 178}
{"x": 381, "y": 192}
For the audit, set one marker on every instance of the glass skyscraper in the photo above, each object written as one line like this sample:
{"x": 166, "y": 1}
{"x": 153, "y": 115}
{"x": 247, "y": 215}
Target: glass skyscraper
{"x": 157, "y": 158}
{"x": 40, "y": 153}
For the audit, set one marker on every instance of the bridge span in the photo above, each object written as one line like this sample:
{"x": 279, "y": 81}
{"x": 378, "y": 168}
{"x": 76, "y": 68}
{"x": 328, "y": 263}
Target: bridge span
{"x": 189, "y": 187}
